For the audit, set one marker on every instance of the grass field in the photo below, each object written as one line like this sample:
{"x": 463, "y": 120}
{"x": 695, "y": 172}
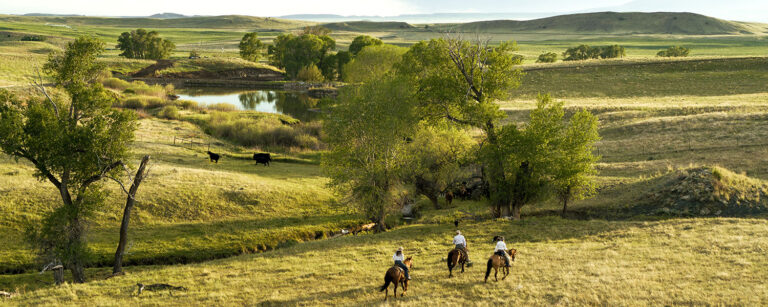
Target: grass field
{"x": 656, "y": 117}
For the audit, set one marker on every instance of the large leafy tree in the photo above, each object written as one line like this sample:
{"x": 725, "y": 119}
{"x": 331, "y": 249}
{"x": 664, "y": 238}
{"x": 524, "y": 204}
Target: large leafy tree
{"x": 143, "y": 44}
{"x": 461, "y": 81}
{"x": 296, "y": 52}
{"x": 361, "y": 42}
{"x": 574, "y": 170}
{"x": 251, "y": 47}
{"x": 73, "y": 143}
{"x": 366, "y": 135}
{"x": 373, "y": 62}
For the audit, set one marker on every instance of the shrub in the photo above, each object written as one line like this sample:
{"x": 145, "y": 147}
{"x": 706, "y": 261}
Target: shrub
{"x": 115, "y": 83}
{"x": 169, "y": 112}
{"x": 223, "y": 107}
{"x": 246, "y": 129}
{"x": 582, "y": 52}
{"x": 135, "y": 103}
{"x": 187, "y": 104}
{"x": 615, "y": 51}
{"x": 674, "y": 51}
{"x": 547, "y": 57}
{"x": 310, "y": 74}
{"x": 33, "y": 38}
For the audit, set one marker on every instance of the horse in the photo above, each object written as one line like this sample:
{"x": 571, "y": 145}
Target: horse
{"x": 456, "y": 257}
{"x": 496, "y": 262}
{"x": 396, "y": 275}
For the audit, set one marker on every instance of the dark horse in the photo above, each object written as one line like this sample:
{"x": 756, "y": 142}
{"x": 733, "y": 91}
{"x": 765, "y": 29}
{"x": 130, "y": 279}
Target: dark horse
{"x": 496, "y": 262}
{"x": 456, "y": 257}
{"x": 214, "y": 157}
{"x": 396, "y": 275}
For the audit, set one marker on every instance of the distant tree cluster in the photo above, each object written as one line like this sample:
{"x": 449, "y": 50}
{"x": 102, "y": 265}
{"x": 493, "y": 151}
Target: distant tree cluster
{"x": 251, "y": 47}
{"x": 33, "y": 38}
{"x": 547, "y": 57}
{"x": 362, "y": 41}
{"x": 585, "y": 52}
{"x": 143, "y": 44}
{"x": 311, "y": 47}
{"x": 674, "y": 51}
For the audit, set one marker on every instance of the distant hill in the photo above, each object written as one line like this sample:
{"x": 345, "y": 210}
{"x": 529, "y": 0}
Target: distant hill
{"x": 368, "y": 26}
{"x": 211, "y": 22}
{"x": 611, "y": 23}
{"x": 168, "y": 15}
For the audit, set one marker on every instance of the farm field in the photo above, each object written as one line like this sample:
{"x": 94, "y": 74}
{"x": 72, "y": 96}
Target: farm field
{"x": 237, "y": 233}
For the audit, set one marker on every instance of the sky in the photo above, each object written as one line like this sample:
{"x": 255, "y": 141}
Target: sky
{"x": 747, "y": 10}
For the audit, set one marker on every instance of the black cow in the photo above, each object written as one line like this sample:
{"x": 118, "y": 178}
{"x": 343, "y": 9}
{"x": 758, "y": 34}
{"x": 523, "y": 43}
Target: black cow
{"x": 214, "y": 157}
{"x": 263, "y": 158}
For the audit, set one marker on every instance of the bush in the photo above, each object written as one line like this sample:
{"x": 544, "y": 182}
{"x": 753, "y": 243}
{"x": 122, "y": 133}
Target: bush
{"x": 674, "y": 51}
{"x": 223, "y": 107}
{"x": 547, "y": 57}
{"x": 246, "y": 129}
{"x": 143, "y": 102}
{"x": 33, "y": 38}
{"x": 611, "y": 52}
{"x": 169, "y": 112}
{"x": 187, "y": 104}
{"x": 582, "y": 52}
{"x": 310, "y": 74}
{"x": 115, "y": 83}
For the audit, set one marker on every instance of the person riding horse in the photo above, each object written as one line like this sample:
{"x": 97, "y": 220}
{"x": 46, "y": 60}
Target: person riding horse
{"x": 399, "y": 258}
{"x": 461, "y": 243}
{"x": 501, "y": 250}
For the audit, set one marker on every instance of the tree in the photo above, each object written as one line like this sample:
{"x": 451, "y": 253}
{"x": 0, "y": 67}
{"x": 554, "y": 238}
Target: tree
{"x": 366, "y": 136}
{"x": 73, "y": 143}
{"x": 612, "y": 52}
{"x": 141, "y": 174}
{"x": 251, "y": 47}
{"x": 373, "y": 62}
{"x": 316, "y": 30}
{"x": 574, "y": 170}
{"x": 547, "y": 57}
{"x": 295, "y": 52}
{"x": 460, "y": 81}
{"x": 140, "y": 44}
{"x": 674, "y": 51}
{"x": 582, "y": 52}
{"x": 437, "y": 156}
{"x": 361, "y": 42}
{"x": 310, "y": 74}
{"x": 342, "y": 58}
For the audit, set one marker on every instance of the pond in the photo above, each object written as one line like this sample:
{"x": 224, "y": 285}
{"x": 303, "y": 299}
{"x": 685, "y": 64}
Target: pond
{"x": 296, "y": 104}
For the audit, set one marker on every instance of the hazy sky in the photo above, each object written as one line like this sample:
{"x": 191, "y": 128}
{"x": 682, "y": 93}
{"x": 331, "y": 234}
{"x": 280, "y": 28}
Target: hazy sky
{"x": 731, "y": 9}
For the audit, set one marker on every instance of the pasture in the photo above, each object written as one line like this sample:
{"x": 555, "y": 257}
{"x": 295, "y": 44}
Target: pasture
{"x": 237, "y": 233}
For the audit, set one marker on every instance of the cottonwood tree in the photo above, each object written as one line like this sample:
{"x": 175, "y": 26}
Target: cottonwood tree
{"x": 438, "y": 155}
{"x": 461, "y": 81}
{"x": 574, "y": 170}
{"x": 366, "y": 134}
{"x": 296, "y": 52}
{"x": 73, "y": 143}
{"x": 373, "y": 62}
{"x": 143, "y": 44}
{"x": 251, "y": 47}
{"x": 141, "y": 174}
{"x": 361, "y": 42}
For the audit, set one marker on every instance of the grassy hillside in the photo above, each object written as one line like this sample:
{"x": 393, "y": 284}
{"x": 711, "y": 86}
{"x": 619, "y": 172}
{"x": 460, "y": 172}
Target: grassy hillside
{"x": 212, "y": 22}
{"x": 367, "y": 26}
{"x": 614, "y": 23}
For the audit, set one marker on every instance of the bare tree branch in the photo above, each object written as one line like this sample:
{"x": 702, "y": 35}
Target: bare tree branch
{"x": 39, "y": 85}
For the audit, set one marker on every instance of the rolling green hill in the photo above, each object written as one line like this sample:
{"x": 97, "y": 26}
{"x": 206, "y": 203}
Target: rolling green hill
{"x": 208, "y": 22}
{"x": 367, "y": 26}
{"x": 611, "y": 22}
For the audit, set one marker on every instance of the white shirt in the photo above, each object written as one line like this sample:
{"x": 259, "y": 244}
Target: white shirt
{"x": 459, "y": 239}
{"x": 396, "y": 257}
{"x": 501, "y": 246}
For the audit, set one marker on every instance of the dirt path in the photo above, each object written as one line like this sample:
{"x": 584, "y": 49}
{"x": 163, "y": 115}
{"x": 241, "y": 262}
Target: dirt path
{"x": 150, "y": 70}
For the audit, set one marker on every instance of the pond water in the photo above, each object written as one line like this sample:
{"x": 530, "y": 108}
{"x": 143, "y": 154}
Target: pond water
{"x": 298, "y": 105}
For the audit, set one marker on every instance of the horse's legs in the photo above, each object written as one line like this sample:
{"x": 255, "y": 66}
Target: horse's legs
{"x": 386, "y": 293}
{"x": 462, "y": 266}
{"x": 506, "y": 272}
{"x": 405, "y": 287}
{"x": 395, "y": 293}
{"x": 496, "y": 274}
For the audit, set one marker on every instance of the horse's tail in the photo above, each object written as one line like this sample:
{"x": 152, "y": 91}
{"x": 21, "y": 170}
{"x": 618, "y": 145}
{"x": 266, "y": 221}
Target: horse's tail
{"x": 387, "y": 280}
{"x": 488, "y": 270}
{"x": 450, "y": 260}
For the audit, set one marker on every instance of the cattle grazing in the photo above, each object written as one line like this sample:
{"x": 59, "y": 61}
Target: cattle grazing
{"x": 263, "y": 158}
{"x": 214, "y": 157}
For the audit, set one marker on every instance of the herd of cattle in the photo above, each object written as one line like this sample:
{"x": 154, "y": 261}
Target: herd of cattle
{"x": 260, "y": 158}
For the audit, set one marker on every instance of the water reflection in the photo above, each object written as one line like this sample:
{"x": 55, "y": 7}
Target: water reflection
{"x": 296, "y": 104}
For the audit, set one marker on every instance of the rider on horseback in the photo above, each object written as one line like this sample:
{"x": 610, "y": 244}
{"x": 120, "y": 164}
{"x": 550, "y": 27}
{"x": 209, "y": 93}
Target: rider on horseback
{"x": 399, "y": 258}
{"x": 461, "y": 243}
{"x": 501, "y": 250}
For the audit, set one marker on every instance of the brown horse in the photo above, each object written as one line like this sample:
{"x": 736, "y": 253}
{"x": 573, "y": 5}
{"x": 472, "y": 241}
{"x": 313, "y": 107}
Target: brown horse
{"x": 396, "y": 275}
{"x": 496, "y": 262}
{"x": 456, "y": 257}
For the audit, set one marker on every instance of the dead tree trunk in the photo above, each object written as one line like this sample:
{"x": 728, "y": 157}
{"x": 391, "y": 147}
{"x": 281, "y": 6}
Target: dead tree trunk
{"x": 131, "y": 200}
